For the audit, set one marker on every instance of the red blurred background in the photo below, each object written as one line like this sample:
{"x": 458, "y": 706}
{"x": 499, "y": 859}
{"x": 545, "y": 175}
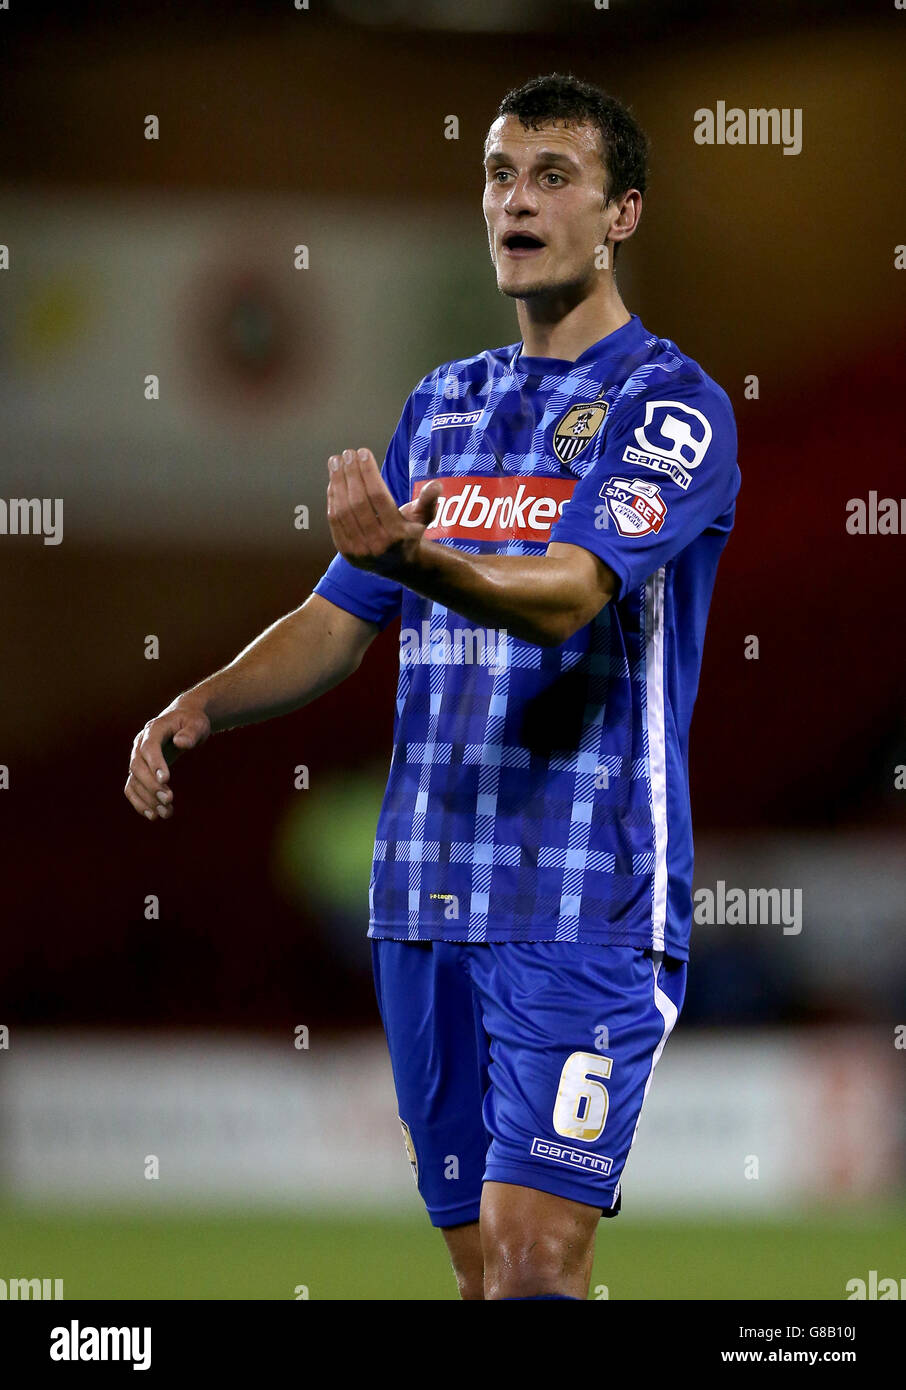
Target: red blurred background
{"x": 174, "y": 256}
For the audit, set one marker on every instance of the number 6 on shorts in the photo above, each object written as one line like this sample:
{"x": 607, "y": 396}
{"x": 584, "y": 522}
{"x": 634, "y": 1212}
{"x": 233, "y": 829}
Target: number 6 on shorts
{"x": 580, "y": 1110}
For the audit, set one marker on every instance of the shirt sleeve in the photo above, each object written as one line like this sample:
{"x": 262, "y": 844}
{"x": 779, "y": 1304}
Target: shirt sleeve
{"x": 665, "y": 471}
{"x": 366, "y": 595}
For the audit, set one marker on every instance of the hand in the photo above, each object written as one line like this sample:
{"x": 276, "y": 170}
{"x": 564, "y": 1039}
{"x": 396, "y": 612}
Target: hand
{"x": 174, "y": 731}
{"x": 368, "y": 528}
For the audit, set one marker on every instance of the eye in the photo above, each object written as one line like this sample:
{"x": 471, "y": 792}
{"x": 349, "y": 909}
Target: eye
{"x": 556, "y": 176}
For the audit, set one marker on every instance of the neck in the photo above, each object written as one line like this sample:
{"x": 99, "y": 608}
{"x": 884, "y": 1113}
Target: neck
{"x": 564, "y": 324}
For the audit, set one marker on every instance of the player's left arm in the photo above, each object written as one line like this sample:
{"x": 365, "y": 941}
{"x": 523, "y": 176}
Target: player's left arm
{"x": 542, "y": 599}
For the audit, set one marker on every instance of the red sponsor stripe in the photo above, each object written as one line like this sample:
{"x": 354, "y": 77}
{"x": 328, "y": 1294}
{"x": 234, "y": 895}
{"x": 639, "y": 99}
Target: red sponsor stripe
{"x": 498, "y": 509}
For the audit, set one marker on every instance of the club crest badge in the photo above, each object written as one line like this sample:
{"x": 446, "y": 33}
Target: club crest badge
{"x": 575, "y": 430}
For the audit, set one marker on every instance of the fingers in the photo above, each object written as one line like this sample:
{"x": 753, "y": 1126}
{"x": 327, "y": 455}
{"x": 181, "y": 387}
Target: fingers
{"x": 365, "y": 479}
{"x": 142, "y": 801}
{"x": 424, "y": 508}
{"x": 182, "y": 726}
{"x": 147, "y": 786}
{"x": 345, "y": 525}
{"x": 148, "y": 761}
{"x": 363, "y": 516}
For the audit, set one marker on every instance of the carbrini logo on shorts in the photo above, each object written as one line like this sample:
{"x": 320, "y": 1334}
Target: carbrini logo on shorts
{"x": 575, "y": 1158}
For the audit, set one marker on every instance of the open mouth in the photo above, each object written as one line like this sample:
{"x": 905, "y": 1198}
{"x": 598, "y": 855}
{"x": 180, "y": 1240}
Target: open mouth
{"x": 522, "y": 244}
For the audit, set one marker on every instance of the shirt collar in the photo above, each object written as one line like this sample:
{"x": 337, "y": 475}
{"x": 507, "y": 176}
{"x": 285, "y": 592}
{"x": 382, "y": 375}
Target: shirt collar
{"x": 616, "y": 345}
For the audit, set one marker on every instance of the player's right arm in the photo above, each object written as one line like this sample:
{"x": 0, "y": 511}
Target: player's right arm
{"x": 290, "y": 664}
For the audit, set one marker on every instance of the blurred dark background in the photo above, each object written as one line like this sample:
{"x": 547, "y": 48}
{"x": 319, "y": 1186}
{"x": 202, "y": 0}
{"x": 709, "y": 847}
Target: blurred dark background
{"x": 174, "y": 256}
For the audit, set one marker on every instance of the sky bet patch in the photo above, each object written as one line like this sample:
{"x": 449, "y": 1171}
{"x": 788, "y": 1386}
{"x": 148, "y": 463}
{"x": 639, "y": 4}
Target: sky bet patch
{"x": 636, "y": 506}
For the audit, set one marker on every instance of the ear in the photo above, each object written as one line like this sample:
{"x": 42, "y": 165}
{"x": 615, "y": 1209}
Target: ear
{"x": 629, "y": 212}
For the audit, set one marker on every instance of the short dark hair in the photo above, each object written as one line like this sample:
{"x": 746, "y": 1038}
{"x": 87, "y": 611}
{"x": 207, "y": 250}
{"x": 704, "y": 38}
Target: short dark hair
{"x": 562, "y": 97}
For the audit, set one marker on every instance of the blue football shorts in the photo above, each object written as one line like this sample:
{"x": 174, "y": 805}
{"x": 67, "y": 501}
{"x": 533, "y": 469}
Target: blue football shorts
{"x": 522, "y": 1062}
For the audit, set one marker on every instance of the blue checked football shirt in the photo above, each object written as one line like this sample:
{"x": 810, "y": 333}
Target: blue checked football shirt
{"x": 541, "y": 794}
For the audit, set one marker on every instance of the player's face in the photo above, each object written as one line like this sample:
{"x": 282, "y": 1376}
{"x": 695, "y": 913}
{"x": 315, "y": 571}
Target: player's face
{"x": 546, "y": 185}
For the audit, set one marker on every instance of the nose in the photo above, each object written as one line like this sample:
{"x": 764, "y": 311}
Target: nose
{"x": 519, "y": 196}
